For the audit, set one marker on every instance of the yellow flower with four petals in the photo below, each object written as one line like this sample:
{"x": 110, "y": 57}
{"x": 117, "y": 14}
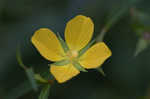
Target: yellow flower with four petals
{"x": 73, "y": 56}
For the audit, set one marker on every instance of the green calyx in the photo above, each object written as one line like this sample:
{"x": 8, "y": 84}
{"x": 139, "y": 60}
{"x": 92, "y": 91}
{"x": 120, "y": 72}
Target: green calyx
{"x": 71, "y": 57}
{"x": 61, "y": 63}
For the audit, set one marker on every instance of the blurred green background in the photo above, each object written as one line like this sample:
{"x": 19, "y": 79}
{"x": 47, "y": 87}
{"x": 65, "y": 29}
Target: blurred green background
{"x": 128, "y": 77}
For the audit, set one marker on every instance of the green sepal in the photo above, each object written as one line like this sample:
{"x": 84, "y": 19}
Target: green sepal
{"x": 45, "y": 92}
{"x": 82, "y": 51}
{"x": 39, "y": 78}
{"x": 63, "y": 43}
{"x": 101, "y": 71}
{"x": 61, "y": 63}
{"x": 79, "y": 67}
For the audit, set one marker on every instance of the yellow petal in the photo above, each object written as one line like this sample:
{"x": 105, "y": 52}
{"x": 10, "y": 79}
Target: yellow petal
{"x": 47, "y": 44}
{"x": 79, "y": 32}
{"x": 95, "y": 56}
{"x": 63, "y": 73}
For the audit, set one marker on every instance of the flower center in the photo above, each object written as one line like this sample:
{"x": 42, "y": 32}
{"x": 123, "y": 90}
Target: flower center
{"x": 72, "y": 54}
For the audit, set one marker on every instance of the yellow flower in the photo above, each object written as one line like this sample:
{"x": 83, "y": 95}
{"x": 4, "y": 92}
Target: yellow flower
{"x": 78, "y": 34}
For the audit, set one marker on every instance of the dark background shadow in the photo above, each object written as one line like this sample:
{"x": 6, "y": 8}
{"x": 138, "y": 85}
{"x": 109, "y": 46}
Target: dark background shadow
{"x": 127, "y": 76}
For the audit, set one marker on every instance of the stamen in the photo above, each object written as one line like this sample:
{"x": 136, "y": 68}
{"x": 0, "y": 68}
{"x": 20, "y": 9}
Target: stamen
{"x": 72, "y": 54}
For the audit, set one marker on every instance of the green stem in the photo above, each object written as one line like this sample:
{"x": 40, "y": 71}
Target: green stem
{"x": 114, "y": 20}
{"x": 19, "y": 59}
{"x": 102, "y": 35}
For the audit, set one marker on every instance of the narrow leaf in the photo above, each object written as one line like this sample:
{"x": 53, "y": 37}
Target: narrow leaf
{"x": 29, "y": 71}
{"x": 142, "y": 44}
{"x": 30, "y": 75}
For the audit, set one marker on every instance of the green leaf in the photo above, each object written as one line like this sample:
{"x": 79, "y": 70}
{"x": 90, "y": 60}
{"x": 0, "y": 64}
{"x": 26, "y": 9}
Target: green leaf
{"x": 101, "y": 71}
{"x": 29, "y": 71}
{"x": 45, "y": 92}
{"x": 61, "y": 63}
{"x": 30, "y": 75}
{"x": 141, "y": 46}
{"x": 79, "y": 67}
{"x": 63, "y": 43}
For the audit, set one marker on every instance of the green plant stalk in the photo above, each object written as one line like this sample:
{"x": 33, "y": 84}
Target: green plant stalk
{"x": 19, "y": 59}
{"x": 114, "y": 19}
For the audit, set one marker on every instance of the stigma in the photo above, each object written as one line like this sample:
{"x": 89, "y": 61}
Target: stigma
{"x": 72, "y": 54}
